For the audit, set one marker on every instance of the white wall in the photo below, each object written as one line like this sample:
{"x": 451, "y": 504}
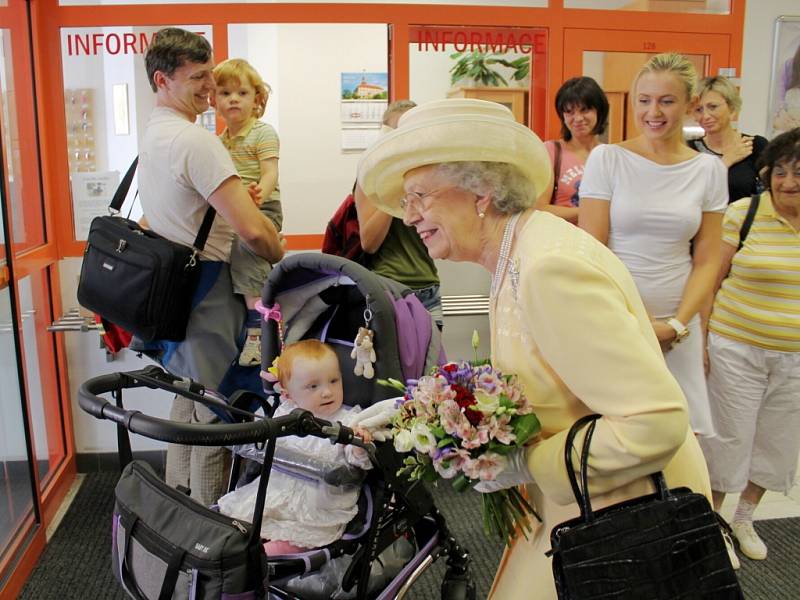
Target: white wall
{"x": 759, "y": 38}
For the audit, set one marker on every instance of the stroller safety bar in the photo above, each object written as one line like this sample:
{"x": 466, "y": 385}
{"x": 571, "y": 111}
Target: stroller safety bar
{"x": 298, "y": 422}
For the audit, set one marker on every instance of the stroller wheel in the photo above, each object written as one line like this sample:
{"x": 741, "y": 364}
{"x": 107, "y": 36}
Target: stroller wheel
{"x": 457, "y": 585}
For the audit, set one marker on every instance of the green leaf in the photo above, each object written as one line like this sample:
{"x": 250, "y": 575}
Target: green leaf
{"x": 500, "y": 448}
{"x": 446, "y": 441}
{"x": 461, "y": 482}
{"x": 525, "y": 427}
{"x": 438, "y": 431}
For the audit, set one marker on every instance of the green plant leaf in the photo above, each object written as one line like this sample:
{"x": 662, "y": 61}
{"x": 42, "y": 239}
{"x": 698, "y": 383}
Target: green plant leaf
{"x": 525, "y": 427}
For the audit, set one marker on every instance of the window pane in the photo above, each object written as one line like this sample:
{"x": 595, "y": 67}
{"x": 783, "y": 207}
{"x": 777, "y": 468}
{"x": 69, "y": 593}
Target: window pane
{"x": 313, "y": 70}
{"x": 45, "y": 414}
{"x": 108, "y": 101}
{"x": 16, "y": 497}
{"x": 24, "y": 199}
{"x": 717, "y": 7}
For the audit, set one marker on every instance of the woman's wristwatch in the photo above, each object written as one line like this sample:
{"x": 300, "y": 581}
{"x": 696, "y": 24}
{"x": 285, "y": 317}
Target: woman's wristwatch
{"x": 681, "y": 330}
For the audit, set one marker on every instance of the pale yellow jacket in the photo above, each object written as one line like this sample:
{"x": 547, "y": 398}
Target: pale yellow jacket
{"x": 567, "y": 319}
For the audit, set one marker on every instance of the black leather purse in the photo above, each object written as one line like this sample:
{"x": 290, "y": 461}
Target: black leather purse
{"x": 666, "y": 545}
{"x": 136, "y": 278}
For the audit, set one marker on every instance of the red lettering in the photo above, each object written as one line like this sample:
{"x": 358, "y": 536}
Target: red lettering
{"x": 462, "y": 43}
{"x": 540, "y": 43}
{"x": 447, "y": 37}
{"x": 495, "y": 45}
{"x": 433, "y": 37}
{"x": 129, "y": 43}
{"x": 525, "y": 43}
{"x": 69, "y": 44}
{"x": 113, "y": 43}
{"x": 475, "y": 40}
{"x": 97, "y": 42}
{"x": 511, "y": 42}
{"x": 82, "y": 41}
{"x": 143, "y": 42}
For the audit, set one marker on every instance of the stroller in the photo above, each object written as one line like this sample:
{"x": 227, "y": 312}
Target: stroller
{"x": 398, "y": 532}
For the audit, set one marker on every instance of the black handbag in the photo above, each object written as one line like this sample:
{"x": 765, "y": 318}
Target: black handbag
{"x": 136, "y": 278}
{"x": 666, "y": 545}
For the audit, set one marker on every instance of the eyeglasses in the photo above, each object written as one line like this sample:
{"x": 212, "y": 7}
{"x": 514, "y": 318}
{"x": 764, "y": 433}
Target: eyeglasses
{"x": 422, "y": 201}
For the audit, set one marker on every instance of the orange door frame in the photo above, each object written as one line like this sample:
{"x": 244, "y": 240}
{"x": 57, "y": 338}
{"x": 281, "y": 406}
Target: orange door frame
{"x": 556, "y": 19}
{"x": 48, "y": 18}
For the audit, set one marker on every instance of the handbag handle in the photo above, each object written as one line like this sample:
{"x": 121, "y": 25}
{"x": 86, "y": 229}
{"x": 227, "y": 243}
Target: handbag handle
{"x": 582, "y": 496}
{"x": 556, "y": 170}
{"x": 122, "y": 192}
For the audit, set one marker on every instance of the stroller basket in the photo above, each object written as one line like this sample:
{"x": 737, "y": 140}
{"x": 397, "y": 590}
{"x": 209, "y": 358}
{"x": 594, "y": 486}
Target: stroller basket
{"x": 169, "y": 546}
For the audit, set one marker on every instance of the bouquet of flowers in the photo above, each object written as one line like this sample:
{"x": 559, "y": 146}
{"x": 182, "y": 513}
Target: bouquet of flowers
{"x": 461, "y": 422}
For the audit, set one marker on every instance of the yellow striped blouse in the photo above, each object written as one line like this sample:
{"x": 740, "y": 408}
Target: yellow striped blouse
{"x": 759, "y": 302}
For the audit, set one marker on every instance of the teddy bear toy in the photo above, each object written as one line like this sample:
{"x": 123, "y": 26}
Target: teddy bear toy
{"x": 364, "y": 354}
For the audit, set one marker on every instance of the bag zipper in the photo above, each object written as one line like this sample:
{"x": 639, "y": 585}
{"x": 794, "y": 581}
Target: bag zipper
{"x": 187, "y": 502}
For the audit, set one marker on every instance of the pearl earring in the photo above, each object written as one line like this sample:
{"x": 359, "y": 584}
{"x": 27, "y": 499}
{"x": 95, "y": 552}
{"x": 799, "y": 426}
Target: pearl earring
{"x": 481, "y": 214}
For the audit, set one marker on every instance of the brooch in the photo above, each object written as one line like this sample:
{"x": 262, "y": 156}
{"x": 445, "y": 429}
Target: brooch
{"x": 513, "y": 272}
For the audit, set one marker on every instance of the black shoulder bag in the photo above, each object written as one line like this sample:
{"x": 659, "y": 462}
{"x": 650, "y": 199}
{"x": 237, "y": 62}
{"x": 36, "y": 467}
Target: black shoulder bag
{"x": 748, "y": 219}
{"x": 136, "y": 278}
{"x": 666, "y": 545}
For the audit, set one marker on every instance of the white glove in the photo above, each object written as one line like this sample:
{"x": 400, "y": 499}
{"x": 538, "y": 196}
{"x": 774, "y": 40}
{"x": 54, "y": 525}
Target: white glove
{"x": 515, "y": 473}
{"x": 377, "y": 419}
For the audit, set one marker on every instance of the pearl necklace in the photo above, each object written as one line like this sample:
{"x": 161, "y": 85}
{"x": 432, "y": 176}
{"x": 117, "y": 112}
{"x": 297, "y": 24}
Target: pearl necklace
{"x": 505, "y": 250}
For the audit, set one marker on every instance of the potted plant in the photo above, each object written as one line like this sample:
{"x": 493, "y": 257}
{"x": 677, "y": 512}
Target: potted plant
{"x": 481, "y": 67}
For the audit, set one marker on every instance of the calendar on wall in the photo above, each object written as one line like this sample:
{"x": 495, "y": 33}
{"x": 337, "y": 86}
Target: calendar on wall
{"x": 80, "y": 130}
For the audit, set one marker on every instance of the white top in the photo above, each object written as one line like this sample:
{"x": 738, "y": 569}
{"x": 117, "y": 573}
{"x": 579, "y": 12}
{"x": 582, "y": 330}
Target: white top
{"x": 303, "y": 511}
{"x": 180, "y": 165}
{"x": 655, "y": 212}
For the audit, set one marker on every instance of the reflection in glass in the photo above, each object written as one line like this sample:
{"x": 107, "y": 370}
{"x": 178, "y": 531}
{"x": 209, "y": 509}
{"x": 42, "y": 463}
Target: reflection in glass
{"x": 716, "y": 7}
{"x": 16, "y": 500}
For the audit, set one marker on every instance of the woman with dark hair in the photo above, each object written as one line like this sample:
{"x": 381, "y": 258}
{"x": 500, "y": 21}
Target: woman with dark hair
{"x": 583, "y": 109}
{"x": 754, "y": 346}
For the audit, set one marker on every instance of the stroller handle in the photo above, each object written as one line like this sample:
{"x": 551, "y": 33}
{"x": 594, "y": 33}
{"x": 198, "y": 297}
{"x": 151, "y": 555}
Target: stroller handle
{"x": 298, "y": 422}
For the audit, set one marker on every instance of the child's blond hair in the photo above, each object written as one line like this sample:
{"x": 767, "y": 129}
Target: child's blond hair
{"x": 241, "y": 71}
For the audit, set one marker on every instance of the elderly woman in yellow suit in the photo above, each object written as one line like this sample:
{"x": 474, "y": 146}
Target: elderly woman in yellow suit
{"x": 565, "y": 315}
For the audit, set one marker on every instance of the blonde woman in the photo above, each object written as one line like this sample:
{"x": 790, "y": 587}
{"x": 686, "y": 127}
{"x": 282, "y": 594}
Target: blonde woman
{"x": 651, "y": 199}
{"x": 718, "y": 106}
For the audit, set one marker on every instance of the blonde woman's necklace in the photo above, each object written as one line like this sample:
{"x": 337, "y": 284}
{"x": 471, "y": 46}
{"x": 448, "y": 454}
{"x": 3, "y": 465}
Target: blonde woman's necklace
{"x": 505, "y": 250}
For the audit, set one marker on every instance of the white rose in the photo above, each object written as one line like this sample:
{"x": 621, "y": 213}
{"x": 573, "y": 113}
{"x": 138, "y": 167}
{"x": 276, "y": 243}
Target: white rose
{"x": 403, "y": 441}
{"x": 486, "y": 403}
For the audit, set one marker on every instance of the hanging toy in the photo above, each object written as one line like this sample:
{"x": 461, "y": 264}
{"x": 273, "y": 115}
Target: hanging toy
{"x": 272, "y": 313}
{"x": 364, "y": 353}
{"x": 363, "y": 350}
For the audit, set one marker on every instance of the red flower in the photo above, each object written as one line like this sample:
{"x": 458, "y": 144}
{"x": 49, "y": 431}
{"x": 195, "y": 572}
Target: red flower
{"x": 465, "y": 399}
{"x": 450, "y": 367}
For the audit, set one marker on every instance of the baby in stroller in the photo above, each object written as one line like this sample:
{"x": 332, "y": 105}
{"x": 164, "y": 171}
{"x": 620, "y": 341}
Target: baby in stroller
{"x": 302, "y": 513}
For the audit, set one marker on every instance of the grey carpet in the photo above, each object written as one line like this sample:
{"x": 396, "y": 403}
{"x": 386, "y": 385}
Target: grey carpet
{"x": 77, "y": 564}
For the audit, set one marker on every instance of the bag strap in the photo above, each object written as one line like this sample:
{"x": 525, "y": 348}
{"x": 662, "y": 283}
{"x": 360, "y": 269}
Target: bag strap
{"x": 755, "y": 199}
{"x": 122, "y": 193}
{"x": 556, "y": 170}
{"x": 582, "y": 496}
{"x": 122, "y": 190}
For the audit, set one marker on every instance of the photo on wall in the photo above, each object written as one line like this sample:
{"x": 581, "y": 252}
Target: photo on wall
{"x": 364, "y": 98}
{"x": 784, "y": 113}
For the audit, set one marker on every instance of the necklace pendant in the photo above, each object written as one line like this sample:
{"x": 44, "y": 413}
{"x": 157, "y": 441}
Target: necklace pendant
{"x": 513, "y": 272}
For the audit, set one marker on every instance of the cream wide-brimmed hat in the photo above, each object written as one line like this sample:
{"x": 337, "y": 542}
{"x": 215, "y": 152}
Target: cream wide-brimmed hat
{"x": 456, "y": 129}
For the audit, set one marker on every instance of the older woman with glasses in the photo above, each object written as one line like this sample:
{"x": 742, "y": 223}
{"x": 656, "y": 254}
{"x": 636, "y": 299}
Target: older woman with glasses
{"x": 565, "y": 316}
{"x": 754, "y": 346}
